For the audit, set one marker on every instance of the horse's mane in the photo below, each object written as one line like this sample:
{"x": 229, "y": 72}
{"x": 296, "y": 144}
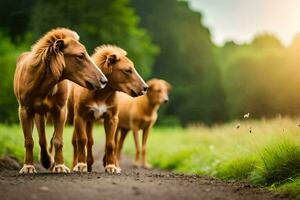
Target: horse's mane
{"x": 41, "y": 49}
{"x": 102, "y": 52}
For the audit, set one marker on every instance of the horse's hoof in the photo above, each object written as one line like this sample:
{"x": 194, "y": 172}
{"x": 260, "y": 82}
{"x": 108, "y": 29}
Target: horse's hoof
{"x": 27, "y": 169}
{"x": 60, "y": 168}
{"x": 80, "y": 167}
{"x": 112, "y": 169}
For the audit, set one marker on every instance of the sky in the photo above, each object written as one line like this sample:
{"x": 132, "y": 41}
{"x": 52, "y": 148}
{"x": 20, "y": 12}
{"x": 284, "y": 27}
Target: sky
{"x": 240, "y": 20}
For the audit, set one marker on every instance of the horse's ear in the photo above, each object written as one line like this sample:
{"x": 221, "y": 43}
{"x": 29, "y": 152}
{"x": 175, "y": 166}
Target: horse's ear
{"x": 151, "y": 84}
{"x": 59, "y": 45}
{"x": 57, "y": 60}
{"x": 110, "y": 60}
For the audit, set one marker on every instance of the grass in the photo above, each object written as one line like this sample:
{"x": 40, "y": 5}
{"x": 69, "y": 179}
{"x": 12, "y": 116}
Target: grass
{"x": 291, "y": 188}
{"x": 12, "y": 142}
{"x": 268, "y": 156}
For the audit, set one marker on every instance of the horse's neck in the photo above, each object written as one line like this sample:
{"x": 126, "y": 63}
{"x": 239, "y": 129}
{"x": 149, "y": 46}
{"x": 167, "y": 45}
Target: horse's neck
{"x": 42, "y": 80}
{"x": 105, "y": 94}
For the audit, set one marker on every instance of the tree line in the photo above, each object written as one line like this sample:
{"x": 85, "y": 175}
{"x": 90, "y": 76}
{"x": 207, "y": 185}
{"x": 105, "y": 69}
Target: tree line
{"x": 166, "y": 39}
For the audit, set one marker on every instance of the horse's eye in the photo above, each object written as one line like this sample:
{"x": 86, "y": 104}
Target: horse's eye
{"x": 128, "y": 71}
{"x": 80, "y": 56}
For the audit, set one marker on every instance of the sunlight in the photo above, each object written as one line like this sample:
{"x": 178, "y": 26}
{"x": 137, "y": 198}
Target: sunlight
{"x": 240, "y": 20}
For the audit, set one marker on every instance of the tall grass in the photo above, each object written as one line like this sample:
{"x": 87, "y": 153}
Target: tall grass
{"x": 269, "y": 155}
{"x": 281, "y": 163}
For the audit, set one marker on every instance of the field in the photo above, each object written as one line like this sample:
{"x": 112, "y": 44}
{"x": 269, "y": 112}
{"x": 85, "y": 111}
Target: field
{"x": 263, "y": 152}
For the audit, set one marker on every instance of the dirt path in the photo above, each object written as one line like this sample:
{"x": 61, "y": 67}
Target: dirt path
{"x": 131, "y": 184}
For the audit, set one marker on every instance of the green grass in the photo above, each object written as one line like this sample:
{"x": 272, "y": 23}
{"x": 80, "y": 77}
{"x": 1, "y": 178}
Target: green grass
{"x": 268, "y": 156}
{"x": 291, "y": 188}
{"x": 12, "y": 142}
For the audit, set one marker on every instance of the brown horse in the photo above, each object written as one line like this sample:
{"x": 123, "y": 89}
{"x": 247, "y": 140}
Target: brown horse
{"x": 90, "y": 106}
{"x": 140, "y": 114}
{"x": 41, "y": 88}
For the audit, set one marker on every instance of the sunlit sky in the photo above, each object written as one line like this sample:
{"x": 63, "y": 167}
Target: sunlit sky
{"x": 240, "y": 20}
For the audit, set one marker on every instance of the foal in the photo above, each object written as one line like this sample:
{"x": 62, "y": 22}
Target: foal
{"x": 140, "y": 114}
{"x": 90, "y": 106}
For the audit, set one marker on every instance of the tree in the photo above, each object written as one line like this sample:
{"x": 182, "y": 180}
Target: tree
{"x": 186, "y": 59}
{"x": 14, "y": 15}
{"x": 98, "y": 22}
{"x": 261, "y": 78}
{"x": 267, "y": 40}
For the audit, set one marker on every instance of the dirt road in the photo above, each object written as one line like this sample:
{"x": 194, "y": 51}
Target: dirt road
{"x": 131, "y": 184}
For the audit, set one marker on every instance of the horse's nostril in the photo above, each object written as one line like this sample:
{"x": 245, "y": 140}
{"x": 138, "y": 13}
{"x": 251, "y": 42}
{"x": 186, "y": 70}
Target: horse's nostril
{"x": 103, "y": 80}
{"x": 145, "y": 88}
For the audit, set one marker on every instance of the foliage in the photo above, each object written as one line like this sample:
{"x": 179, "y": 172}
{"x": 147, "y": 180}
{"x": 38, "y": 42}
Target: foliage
{"x": 14, "y": 15}
{"x": 98, "y": 22}
{"x": 8, "y": 53}
{"x": 261, "y": 78}
{"x": 186, "y": 60}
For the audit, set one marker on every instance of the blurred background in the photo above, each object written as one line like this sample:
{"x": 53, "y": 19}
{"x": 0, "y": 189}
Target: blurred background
{"x": 223, "y": 59}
